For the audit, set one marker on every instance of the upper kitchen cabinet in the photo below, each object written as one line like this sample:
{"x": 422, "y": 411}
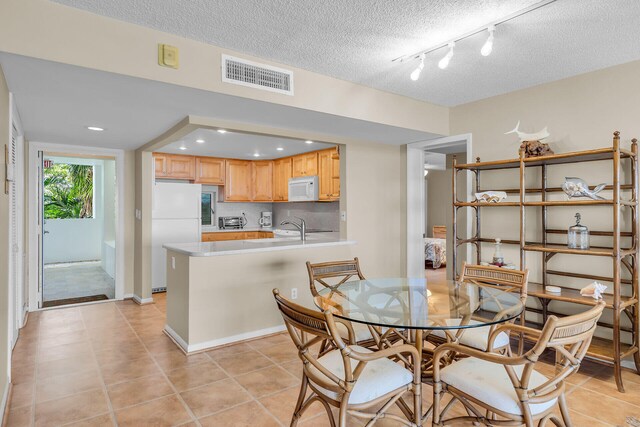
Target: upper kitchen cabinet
{"x": 160, "y": 165}
{"x": 281, "y": 175}
{"x": 329, "y": 174}
{"x": 174, "y": 166}
{"x": 262, "y": 181}
{"x": 238, "y": 181}
{"x": 210, "y": 170}
{"x": 305, "y": 164}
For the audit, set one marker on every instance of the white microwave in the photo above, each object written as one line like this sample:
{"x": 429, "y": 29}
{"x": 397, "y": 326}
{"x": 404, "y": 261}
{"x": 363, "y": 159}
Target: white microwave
{"x": 303, "y": 189}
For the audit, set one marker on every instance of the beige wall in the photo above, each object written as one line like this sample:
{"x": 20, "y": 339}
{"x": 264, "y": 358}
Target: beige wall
{"x": 375, "y": 193}
{"x": 581, "y": 112}
{"x": 63, "y": 34}
{"x": 4, "y": 237}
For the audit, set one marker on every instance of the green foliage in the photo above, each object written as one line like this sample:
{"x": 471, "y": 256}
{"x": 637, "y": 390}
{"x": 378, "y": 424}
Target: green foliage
{"x": 68, "y": 191}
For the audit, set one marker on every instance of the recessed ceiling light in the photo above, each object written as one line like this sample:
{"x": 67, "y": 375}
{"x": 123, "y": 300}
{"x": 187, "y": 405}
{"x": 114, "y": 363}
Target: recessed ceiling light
{"x": 222, "y": 131}
{"x": 308, "y": 141}
{"x": 200, "y": 141}
{"x": 96, "y": 128}
{"x": 256, "y": 155}
{"x": 182, "y": 147}
{"x": 280, "y": 149}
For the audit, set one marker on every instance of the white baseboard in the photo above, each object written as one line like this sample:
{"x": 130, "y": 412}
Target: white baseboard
{"x": 176, "y": 338}
{"x": 5, "y": 402}
{"x": 141, "y": 301}
{"x": 190, "y": 348}
{"x": 127, "y": 296}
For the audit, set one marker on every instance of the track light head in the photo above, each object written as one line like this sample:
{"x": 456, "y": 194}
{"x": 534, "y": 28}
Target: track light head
{"x": 415, "y": 75}
{"x": 444, "y": 62}
{"x": 487, "y": 47}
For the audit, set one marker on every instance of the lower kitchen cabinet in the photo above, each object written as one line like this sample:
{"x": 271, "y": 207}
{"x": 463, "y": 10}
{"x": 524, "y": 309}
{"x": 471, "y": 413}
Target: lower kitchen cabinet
{"x": 217, "y": 236}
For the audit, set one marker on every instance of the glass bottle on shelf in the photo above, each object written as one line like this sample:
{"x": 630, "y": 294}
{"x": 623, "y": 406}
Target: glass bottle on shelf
{"x": 498, "y": 259}
{"x": 578, "y": 235}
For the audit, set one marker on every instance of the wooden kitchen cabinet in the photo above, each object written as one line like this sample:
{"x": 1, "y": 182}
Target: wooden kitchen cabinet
{"x": 237, "y": 187}
{"x": 329, "y": 174}
{"x": 262, "y": 181}
{"x": 210, "y": 170}
{"x": 220, "y": 236}
{"x": 174, "y": 166}
{"x": 160, "y": 165}
{"x": 305, "y": 164}
{"x": 281, "y": 175}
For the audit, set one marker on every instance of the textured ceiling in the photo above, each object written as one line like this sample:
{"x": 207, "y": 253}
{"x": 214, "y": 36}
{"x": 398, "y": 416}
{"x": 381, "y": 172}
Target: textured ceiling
{"x": 356, "y": 40}
{"x": 240, "y": 145}
{"x": 57, "y": 101}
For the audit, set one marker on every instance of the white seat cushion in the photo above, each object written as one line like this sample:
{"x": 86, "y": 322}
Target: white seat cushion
{"x": 477, "y": 337}
{"x": 488, "y": 382}
{"x": 378, "y": 378}
{"x": 360, "y": 329}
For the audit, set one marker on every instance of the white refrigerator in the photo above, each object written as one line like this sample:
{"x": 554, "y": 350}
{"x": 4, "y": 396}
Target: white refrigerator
{"x": 176, "y": 219}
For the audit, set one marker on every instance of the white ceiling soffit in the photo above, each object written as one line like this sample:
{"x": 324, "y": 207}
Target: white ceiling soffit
{"x": 236, "y": 145}
{"x": 57, "y": 102}
{"x": 356, "y": 40}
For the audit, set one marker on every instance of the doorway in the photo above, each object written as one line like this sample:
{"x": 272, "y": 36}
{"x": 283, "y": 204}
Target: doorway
{"x": 78, "y": 216}
{"x": 430, "y": 240}
{"x": 76, "y": 225}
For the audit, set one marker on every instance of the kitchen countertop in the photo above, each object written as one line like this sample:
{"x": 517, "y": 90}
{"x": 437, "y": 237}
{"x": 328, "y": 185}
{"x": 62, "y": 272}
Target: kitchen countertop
{"x": 233, "y": 247}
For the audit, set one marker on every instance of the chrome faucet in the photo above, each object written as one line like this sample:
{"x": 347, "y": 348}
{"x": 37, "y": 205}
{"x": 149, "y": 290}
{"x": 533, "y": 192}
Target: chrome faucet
{"x": 302, "y": 227}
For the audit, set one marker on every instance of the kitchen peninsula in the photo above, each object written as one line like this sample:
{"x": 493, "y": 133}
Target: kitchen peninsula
{"x": 220, "y": 292}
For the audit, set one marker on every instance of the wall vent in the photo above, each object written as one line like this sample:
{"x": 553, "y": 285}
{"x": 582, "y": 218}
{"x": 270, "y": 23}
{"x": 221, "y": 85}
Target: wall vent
{"x": 260, "y": 76}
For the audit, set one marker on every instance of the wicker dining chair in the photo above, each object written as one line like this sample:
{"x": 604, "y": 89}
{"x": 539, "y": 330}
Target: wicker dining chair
{"x": 497, "y": 389}
{"x": 332, "y": 274}
{"x": 493, "y": 277}
{"x": 351, "y": 378}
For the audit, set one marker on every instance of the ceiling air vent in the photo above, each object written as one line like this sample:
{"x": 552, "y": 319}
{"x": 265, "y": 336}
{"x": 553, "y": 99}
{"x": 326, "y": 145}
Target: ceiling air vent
{"x": 260, "y": 76}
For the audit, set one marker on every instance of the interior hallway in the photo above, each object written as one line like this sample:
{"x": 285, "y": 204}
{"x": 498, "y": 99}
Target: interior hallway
{"x": 108, "y": 363}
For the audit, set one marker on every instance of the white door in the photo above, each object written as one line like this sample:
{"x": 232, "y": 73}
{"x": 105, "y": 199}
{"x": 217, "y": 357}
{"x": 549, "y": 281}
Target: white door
{"x": 15, "y": 236}
{"x": 40, "y": 225}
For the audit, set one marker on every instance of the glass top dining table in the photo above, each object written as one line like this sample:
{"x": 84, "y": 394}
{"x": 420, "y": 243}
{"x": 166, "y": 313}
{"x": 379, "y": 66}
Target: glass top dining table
{"x": 404, "y": 303}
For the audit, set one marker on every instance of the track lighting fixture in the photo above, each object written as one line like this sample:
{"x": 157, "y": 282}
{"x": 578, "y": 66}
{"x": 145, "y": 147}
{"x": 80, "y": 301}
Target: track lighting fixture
{"x": 444, "y": 62}
{"x": 487, "y": 47}
{"x": 416, "y": 73}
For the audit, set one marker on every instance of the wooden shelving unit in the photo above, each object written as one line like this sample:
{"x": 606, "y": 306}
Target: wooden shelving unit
{"x": 624, "y": 298}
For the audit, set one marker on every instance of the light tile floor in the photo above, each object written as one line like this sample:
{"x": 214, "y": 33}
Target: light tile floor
{"x": 77, "y": 279}
{"x": 110, "y": 364}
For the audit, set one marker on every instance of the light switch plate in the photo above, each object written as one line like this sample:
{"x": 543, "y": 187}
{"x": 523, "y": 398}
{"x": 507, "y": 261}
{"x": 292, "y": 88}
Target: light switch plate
{"x": 168, "y": 56}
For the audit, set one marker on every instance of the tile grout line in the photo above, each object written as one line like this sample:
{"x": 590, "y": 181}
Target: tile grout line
{"x": 164, "y": 375}
{"x": 254, "y": 399}
{"x": 104, "y": 385}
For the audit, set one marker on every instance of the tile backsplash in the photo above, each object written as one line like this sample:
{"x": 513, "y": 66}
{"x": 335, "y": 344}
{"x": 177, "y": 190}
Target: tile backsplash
{"x": 251, "y": 210}
{"x": 317, "y": 215}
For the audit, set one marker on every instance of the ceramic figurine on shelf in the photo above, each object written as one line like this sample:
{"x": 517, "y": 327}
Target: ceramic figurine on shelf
{"x": 578, "y": 235}
{"x": 577, "y": 187}
{"x": 531, "y": 143}
{"x": 491, "y": 196}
